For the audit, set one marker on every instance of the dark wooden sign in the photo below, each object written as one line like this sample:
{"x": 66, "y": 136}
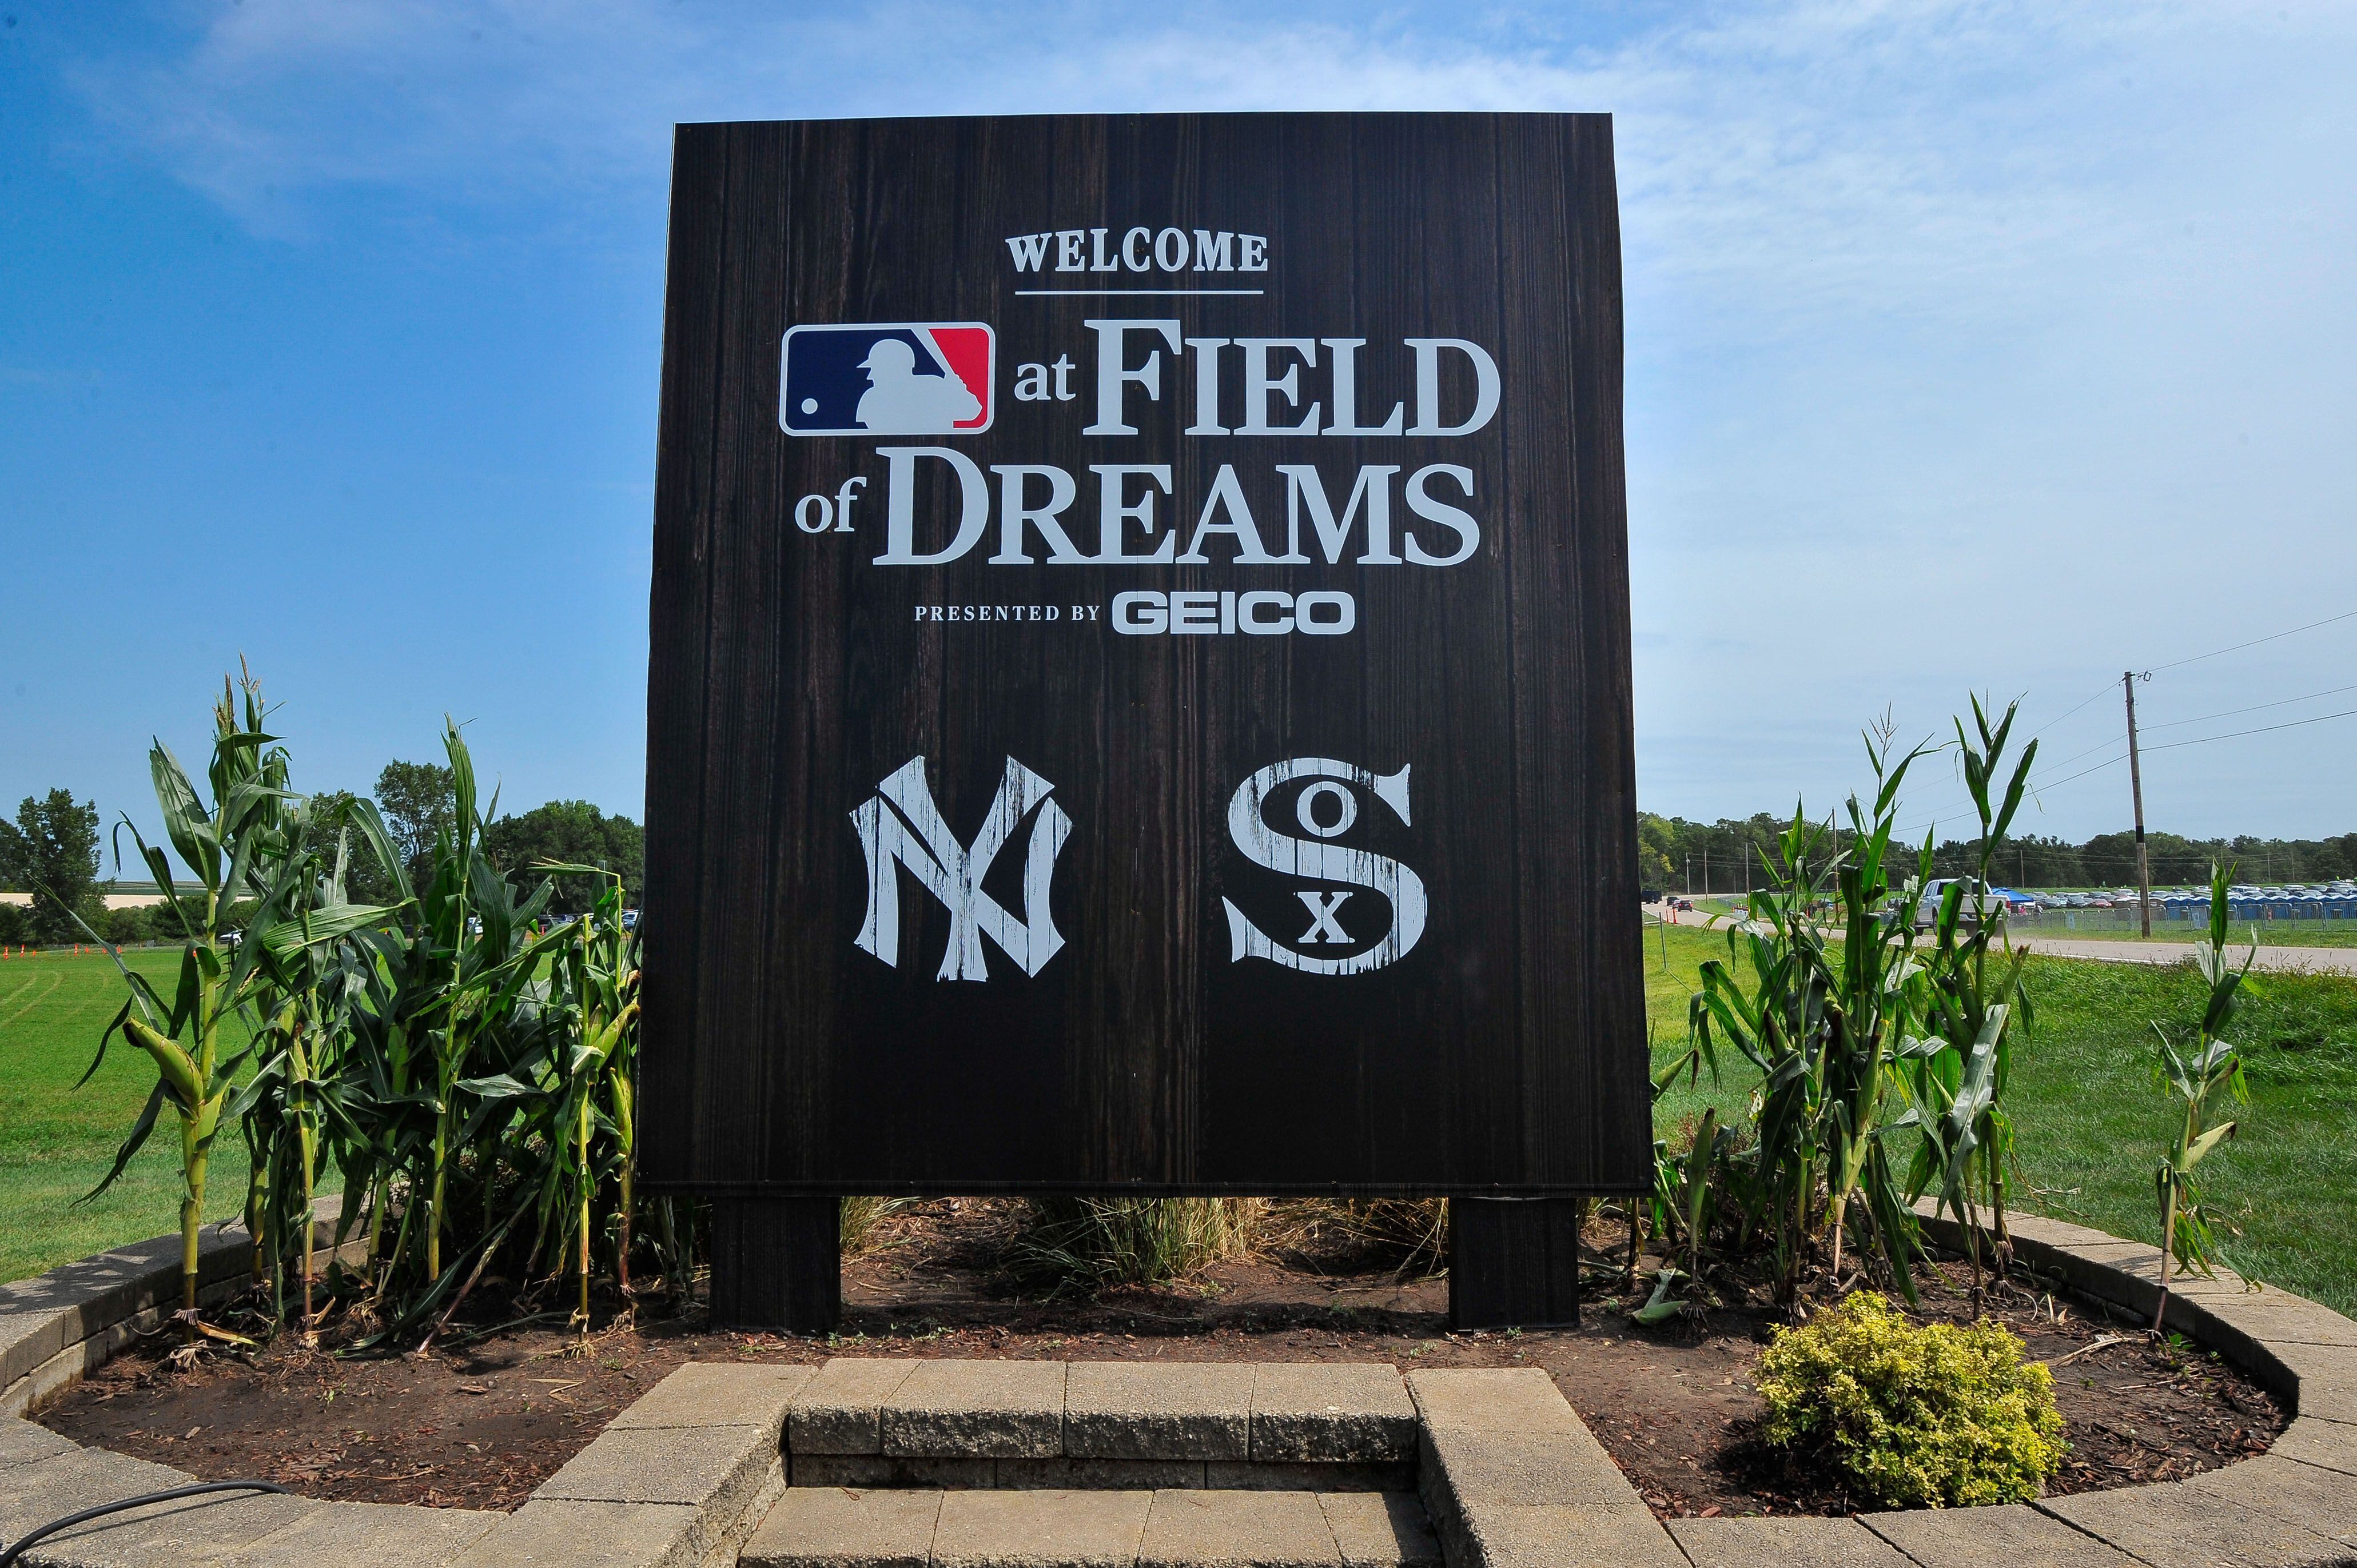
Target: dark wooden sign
{"x": 1140, "y": 694}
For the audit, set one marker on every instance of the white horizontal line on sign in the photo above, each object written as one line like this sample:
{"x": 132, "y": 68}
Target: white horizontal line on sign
{"x": 1250, "y": 291}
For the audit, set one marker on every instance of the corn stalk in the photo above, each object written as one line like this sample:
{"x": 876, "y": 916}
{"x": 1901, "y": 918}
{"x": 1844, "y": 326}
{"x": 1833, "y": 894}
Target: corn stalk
{"x": 1958, "y": 1069}
{"x": 1819, "y": 1019}
{"x": 594, "y": 996}
{"x": 249, "y": 844}
{"x": 2187, "y": 1234}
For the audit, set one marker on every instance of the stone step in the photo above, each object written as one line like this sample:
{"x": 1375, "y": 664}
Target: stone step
{"x": 842, "y": 1526}
{"x": 1514, "y": 1479}
{"x": 1204, "y": 1413}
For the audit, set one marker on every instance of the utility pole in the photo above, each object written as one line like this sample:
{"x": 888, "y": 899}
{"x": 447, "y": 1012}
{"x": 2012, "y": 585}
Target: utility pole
{"x": 2136, "y": 790}
{"x": 1706, "y": 870}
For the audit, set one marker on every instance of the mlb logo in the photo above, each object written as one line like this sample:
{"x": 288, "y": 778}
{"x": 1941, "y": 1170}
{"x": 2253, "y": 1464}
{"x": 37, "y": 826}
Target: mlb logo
{"x": 903, "y": 378}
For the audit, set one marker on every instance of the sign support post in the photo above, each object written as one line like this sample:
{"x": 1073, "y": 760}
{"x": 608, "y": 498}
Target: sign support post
{"x": 777, "y": 1263}
{"x": 1513, "y": 1263}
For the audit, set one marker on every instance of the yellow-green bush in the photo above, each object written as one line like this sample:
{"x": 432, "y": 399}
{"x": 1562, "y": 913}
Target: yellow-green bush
{"x": 1913, "y": 1416}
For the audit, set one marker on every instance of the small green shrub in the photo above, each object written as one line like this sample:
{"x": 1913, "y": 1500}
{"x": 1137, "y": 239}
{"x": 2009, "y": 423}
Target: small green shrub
{"x": 1913, "y": 1416}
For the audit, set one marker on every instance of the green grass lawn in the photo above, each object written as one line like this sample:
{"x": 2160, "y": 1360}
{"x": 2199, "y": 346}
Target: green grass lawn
{"x": 56, "y": 1142}
{"x": 2091, "y": 1123}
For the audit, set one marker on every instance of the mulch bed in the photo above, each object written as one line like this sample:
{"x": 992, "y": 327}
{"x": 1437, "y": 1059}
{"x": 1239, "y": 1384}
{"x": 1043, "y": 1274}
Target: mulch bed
{"x": 480, "y": 1425}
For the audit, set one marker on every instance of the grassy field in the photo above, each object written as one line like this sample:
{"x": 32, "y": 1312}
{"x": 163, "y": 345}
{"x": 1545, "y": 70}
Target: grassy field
{"x": 56, "y": 1142}
{"x": 2092, "y": 1123}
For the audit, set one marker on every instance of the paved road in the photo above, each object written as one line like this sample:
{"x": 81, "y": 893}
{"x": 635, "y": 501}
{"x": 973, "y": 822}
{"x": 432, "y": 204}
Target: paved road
{"x": 2319, "y": 960}
{"x": 2328, "y": 961}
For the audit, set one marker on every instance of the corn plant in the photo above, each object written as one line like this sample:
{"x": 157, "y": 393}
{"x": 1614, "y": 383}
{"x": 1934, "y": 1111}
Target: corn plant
{"x": 1863, "y": 1020}
{"x": 594, "y": 991}
{"x": 409, "y": 1065}
{"x": 249, "y": 844}
{"x": 1877, "y": 994}
{"x": 2210, "y": 1063}
{"x": 1684, "y": 1185}
{"x": 1821, "y": 1021}
{"x": 297, "y": 1105}
{"x": 466, "y": 964}
{"x": 1958, "y": 1069}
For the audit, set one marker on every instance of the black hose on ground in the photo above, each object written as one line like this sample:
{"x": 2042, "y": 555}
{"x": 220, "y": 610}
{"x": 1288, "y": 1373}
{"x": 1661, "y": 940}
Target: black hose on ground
{"x": 9, "y": 1558}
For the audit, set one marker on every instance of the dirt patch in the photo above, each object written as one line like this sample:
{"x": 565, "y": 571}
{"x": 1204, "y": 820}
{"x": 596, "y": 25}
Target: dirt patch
{"x": 480, "y": 1425}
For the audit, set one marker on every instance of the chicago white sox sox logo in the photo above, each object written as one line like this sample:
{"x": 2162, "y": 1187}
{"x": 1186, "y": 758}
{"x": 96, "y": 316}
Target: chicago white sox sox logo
{"x": 915, "y": 835}
{"x": 1315, "y": 860}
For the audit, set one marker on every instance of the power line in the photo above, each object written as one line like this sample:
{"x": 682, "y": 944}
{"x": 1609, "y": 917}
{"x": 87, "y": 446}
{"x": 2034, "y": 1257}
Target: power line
{"x": 2253, "y": 708}
{"x": 2271, "y": 637}
{"x": 2106, "y": 689}
{"x": 2099, "y": 746}
{"x": 2172, "y": 746}
{"x": 2056, "y": 783}
{"x": 1932, "y": 821}
{"x": 2102, "y": 691}
{"x": 2263, "y": 729}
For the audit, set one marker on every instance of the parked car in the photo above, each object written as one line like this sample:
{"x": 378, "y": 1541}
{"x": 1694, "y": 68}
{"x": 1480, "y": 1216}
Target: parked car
{"x": 1979, "y": 902}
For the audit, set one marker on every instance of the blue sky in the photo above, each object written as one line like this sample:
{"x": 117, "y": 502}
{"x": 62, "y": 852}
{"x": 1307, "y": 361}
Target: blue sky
{"x": 1972, "y": 347}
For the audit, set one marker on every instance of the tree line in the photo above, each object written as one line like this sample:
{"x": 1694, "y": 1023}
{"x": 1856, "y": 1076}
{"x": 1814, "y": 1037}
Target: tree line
{"x": 1728, "y": 856}
{"x": 53, "y": 851}
{"x": 54, "y": 844}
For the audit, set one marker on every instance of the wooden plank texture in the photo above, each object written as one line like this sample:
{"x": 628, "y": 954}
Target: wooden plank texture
{"x": 793, "y": 673}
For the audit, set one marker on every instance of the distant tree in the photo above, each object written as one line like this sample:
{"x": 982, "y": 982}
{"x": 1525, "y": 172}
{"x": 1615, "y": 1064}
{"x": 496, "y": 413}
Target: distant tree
{"x": 419, "y": 802}
{"x": 575, "y": 831}
{"x": 16, "y": 925}
{"x": 365, "y": 881}
{"x": 2045, "y": 861}
{"x": 1720, "y": 855}
{"x": 51, "y": 851}
{"x": 2340, "y": 856}
{"x": 1657, "y": 842}
{"x": 131, "y": 923}
{"x": 2110, "y": 858}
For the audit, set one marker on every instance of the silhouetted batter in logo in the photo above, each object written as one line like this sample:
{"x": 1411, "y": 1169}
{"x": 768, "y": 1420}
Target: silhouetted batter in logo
{"x": 899, "y": 401}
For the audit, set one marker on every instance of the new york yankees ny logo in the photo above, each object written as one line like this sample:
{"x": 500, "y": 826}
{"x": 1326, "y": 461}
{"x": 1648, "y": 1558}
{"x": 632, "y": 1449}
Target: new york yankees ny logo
{"x": 900, "y": 825}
